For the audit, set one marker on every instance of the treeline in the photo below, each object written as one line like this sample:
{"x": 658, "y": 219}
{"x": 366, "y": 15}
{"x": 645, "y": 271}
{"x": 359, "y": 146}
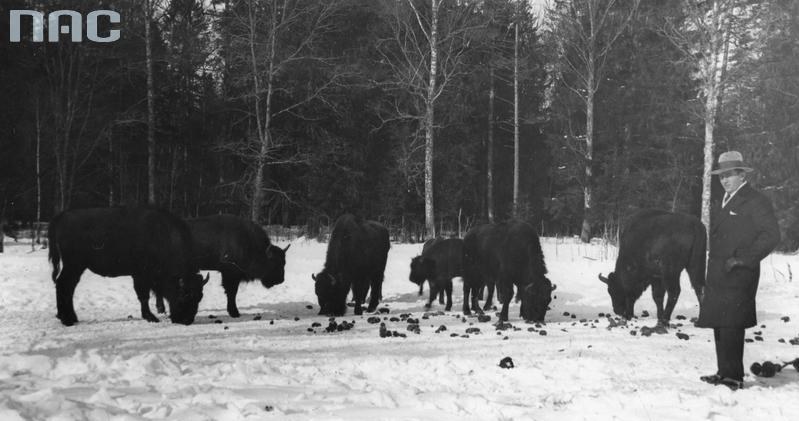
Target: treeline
{"x": 293, "y": 112}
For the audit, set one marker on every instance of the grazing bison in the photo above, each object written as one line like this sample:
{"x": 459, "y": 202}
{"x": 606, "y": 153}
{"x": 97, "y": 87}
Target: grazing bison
{"x": 151, "y": 245}
{"x": 238, "y": 249}
{"x": 654, "y": 247}
{"x": 439, "y": 262}
{"x": 505, "y": 255}
{"x": 356, "y": 259}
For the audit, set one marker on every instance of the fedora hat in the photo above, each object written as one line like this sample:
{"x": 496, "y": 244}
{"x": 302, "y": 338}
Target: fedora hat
{"x": 731, "y": 160}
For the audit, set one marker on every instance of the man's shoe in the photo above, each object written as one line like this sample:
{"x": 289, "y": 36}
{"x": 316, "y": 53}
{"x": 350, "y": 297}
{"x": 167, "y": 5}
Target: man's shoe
{"x": 713, "y": 379}
{"x": 732, "y": 383}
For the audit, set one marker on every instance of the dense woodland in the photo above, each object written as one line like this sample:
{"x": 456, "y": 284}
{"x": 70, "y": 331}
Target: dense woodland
{"x": 292, "y": 112}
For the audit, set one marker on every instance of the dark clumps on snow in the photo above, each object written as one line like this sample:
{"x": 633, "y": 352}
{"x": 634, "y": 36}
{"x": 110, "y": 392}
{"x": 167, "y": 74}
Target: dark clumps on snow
{"x": 506, "y": 362}
{"x": 309, "y": 307}
{"x": 385, "y": 333}
{"x": 258, "y": 317}
{"x": 682, "y": 336}
{"x": 452, "y": 335}
{"x": 269, "y": 408}
{"x": 373, "y": 320}
{"x": 794, "y": 341}
{"x": 316, "y": 324}
{"x": 441, "y": 328}
{"x": 542, "y": 332}
{"x": 217, "y": 321}
{"x": 566, "y": 313}
{"x": 383, "y": 310}
{"x": 749, "y": 340}
{"x": 413, "y": 321}
{"x": 503, "y": 326}
{"x": 785, "y": 319}
{"x": 633, "y": 332}
{"x": 483, "y": 318}
{"x": 211, "y": 316}
{"x": 759, "y": 338}
{"x": 333, "y": 326}
{"x": 413, "y": 327}
{"x": 473, "y": 330}
{"x": 394, "y": 319}
{"x": 680, "y": 317}
{"x": 296, "y": 319}
{"x": 644, "y": 313}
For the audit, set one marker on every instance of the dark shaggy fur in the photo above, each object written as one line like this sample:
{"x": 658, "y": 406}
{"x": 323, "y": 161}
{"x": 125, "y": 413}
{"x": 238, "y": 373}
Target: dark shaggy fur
{"x": 654, "y": 247}
{"x": 439, "y": 262}
{"x": 151, "y": 245}
{"x": 356, "y": 259}
{"x": 238, "y": 249}
{"x": 505, "y": 255}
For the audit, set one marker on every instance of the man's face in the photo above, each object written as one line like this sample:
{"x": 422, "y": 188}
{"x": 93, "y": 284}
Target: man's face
{"x": 731, "y": 180}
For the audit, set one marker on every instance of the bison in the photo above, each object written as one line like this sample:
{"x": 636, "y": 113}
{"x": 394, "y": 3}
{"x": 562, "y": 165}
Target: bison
{"x": 440, "y": 261}
{"x": 654, "y": 247}
{"x": 505, "y": 255}
{"x": 356, "y": 258}
{"x": 150, "y": 245}
{"x": 238, "y": 249}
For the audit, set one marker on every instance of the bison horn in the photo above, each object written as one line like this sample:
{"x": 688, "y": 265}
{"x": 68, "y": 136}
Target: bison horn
{"x": 287, "y": 248}
{"x": 207, "y": 277}
{"x": 603, "y": 279}
{"x": 554, "y": 287}
{"x": 313, "y": 276}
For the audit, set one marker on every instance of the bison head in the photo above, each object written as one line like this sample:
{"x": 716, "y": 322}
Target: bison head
{"x": 331, "y": 292}
{"x": 421, "y": 269}
{"x": 183, "y": 307}
{"x": 274, "y": 267}
{"x": 535, "y": 300}
{"x": 618, "y": 297}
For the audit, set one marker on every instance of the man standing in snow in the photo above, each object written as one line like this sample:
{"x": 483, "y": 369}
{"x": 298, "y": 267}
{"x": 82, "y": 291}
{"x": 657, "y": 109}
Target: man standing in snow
{"x": 743, "y": 231}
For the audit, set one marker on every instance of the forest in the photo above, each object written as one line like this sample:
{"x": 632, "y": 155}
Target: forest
{"x": 428, "y": 115}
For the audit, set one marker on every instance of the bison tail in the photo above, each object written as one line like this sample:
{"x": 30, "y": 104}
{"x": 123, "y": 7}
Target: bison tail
{"x": 54, "y": 250}
{"x": 698, "y": 258}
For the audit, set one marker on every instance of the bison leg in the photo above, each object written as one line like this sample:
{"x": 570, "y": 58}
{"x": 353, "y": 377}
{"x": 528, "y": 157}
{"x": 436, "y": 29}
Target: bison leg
{"x": 434, "y": 291}
{"x": 64, "y": 290}
{"x": 466, "y": 293}
{"x": 674, "y": 294}
{"x": 142, "y": 288}
{"x": 375, "y": 294}
{"x": 448, "y": 290}
{"x": 159, "y": 304}
{"x": 231, "y": 286}
{"x": 490, "y": 298}
{"x": 658, "y": 292}
{"x": 359, "y": 290}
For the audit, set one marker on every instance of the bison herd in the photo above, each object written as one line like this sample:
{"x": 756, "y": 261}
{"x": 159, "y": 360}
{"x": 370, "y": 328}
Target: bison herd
{"x": 164, "y": 255}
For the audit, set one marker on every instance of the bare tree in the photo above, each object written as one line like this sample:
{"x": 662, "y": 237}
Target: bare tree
{"x": 148, "y": 7}
{"x": 710, "y": 30}
{"x": 425, "y": 54}
{"x": 586, "y": 31}
{"x": 267, "y": 39}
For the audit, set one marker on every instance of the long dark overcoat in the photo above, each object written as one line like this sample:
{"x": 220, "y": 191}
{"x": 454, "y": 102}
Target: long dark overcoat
{"x": 747, "y": 230}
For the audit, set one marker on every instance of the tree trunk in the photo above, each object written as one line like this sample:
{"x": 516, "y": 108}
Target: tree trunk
{"x": 585, "y": 234}
{"x": 429, "y": 214}
{"x": 516, "y": 121}
{"x": 490, "y": 151}
{"x": 148, "y": 15}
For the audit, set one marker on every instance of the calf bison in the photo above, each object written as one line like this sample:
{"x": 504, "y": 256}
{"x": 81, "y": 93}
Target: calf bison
{"x": 439, "y": 262}
{"x": 238, "y": 249}
{"x": 356, "y": 259}
{"x": 150, "y": 245}
{"x": 505, "y": 255}
{"x": 654, "y": 247}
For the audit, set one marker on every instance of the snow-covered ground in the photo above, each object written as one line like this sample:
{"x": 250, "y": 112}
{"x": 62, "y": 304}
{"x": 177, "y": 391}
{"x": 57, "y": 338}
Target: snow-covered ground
{"x": 272, "y": 364}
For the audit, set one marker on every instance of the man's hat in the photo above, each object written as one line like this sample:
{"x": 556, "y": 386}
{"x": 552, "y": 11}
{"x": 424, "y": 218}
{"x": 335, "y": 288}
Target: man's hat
{"x": 731, "y": 160}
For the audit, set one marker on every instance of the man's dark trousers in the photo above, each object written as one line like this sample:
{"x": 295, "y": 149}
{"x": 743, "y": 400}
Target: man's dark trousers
{"x": 730, "y": 351}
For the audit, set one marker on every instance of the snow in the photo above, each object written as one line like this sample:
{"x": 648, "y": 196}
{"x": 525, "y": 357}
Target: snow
{"x": 114, "y": 366}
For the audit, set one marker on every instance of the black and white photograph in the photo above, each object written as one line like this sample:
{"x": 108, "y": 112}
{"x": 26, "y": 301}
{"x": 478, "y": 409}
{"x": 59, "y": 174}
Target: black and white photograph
{"x": 399, "y": 210}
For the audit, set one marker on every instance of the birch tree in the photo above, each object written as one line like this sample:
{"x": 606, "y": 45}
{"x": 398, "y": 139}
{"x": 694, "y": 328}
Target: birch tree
{"x": 586, "y": 31}
{"x": 717, "y": 38}
{"x": 268, "y": 39}
{"x": 425, "y": 52}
